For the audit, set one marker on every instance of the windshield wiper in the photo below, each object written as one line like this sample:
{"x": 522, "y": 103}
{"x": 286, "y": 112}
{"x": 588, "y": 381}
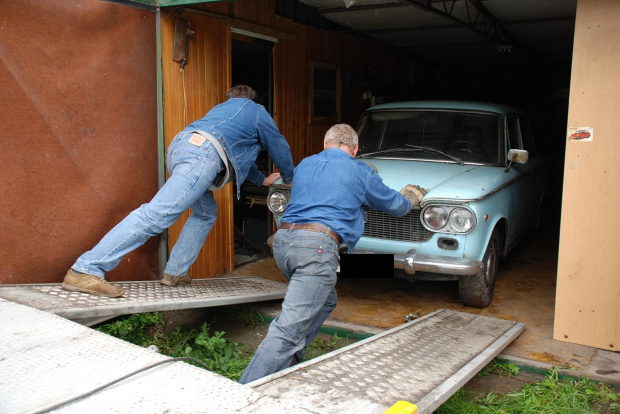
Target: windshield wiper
{"x": 382, "y": 152}
{"x": 445, "y": 154}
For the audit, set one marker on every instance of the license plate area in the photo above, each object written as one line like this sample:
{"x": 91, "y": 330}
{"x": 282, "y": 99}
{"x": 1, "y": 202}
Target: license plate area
{"x": 366, "y": 266}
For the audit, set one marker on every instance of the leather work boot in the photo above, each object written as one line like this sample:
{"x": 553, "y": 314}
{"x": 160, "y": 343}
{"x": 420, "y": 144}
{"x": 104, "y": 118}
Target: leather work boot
{"x": 175, "y": 280}
{"x": 94, "y": 285}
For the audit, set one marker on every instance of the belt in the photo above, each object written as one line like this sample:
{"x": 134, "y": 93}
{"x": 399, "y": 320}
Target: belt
{"x": 321, "y": 228}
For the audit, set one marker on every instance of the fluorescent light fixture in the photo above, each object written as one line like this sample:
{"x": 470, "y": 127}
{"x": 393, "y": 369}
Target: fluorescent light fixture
{"x": 252, "y": 34}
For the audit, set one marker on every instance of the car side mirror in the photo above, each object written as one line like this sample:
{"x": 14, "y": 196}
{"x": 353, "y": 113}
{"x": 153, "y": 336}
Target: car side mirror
{"x": 518, "y": 156}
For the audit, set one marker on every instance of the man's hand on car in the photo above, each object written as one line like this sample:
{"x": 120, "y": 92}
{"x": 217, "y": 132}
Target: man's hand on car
{"x": 270, "y": 179}
{"x": 413, "y": 193}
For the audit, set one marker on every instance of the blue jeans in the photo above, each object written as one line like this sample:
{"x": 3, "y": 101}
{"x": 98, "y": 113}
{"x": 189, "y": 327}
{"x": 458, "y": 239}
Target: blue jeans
{"x": 309, "y": 260}
{"x": 192, "y": 170}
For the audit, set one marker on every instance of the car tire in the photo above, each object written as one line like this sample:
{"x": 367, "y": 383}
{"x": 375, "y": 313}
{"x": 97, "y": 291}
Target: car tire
{"x": 477, "y": 290}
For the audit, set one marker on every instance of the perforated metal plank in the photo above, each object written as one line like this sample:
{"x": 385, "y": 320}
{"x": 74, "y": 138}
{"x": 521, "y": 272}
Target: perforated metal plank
{"x": 46, "y": 360}
{"x": 423, "y": 362}
{"x": 149, "y": 296}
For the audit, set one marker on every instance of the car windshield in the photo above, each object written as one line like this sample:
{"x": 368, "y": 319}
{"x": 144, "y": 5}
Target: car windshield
{"x": 433, "y": 135}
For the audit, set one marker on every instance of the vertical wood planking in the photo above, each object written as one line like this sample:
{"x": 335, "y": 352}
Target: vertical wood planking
{"x": 205, "y": 86}
{"x": 587, "y": 309}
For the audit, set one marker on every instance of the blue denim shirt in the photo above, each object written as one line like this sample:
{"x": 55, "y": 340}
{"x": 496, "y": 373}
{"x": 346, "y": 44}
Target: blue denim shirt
{"x": 243, "y": 127}
{"x": 331, "y": 187}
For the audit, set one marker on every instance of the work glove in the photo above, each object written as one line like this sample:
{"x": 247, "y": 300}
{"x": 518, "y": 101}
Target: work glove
{"x": 413, "y": 193}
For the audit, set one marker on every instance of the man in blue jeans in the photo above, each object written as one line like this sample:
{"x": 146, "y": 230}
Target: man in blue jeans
{"x": 202, "y": 158}
{"x": 329, "y": 191}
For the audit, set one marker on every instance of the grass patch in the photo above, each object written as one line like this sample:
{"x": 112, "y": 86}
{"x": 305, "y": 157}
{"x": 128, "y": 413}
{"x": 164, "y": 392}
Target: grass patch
{"x": 500, "y": 368}
{"x": 553, "y": 395}
{"x": 247, "y": 317}
{"x": 220, "y": 354}
{"x": 322, "y": 345}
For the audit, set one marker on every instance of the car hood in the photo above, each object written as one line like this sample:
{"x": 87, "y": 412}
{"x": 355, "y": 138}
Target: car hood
{"x": 443, "y": 180}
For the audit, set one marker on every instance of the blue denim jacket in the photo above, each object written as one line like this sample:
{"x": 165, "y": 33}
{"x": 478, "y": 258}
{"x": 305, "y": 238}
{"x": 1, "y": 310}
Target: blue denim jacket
{"x": 331, "y": 187}
{"x": 243, "y": 127}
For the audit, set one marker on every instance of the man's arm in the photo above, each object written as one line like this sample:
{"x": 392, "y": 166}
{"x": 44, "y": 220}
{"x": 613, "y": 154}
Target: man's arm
{"x": 255, "y": 176}
{"x": 276, "y": 145}
{"x": 381, "y": 197}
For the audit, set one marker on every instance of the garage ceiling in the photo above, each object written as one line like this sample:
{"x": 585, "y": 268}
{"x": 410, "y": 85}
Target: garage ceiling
{"x": 462, "y": 32}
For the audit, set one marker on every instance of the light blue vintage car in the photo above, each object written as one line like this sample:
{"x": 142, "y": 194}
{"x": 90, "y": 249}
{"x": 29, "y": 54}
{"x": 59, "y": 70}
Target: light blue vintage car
{"x": 485, "y": 186}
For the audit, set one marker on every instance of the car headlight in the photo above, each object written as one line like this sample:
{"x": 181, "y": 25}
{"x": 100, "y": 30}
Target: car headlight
{"x": 435, "y": 217}
{"x": 277, "y": 202}
{"x": 462, "y": 220}
{"x": 448, "y": 219}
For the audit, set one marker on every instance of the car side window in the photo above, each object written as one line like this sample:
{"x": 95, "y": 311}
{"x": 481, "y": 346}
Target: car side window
{"x": 526, "y": 136}
{"x": 513, "y": 133}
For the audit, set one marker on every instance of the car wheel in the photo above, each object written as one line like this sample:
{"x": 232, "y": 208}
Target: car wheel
{"x": 477, "y": 290}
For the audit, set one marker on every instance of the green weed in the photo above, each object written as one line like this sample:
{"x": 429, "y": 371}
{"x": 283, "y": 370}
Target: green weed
{"x": 499, "y": 368}
{"x": 553, "y": 395}
{"x": 325, "y": 345}
{"x": 247, "y": 317}
{"x": 220, "y": 354}
{"x": 137, "y": 328}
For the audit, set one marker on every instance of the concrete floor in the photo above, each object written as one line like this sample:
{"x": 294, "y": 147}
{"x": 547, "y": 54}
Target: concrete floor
{"x": 525, "y": 292}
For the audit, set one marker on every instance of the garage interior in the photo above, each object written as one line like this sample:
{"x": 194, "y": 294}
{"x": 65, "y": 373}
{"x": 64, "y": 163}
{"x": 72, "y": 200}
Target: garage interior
{"x": 488, "y": 50}
{"x": 516, "y": 53}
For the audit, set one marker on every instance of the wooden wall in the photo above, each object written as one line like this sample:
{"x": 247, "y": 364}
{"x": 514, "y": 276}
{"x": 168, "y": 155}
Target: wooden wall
{"x": 587, "y": 307}
{"x": 207, "y": 77}
{"x": 188, "y": 95}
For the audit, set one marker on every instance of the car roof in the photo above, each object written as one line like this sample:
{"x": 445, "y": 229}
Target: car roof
{"x": 457, "y": 105}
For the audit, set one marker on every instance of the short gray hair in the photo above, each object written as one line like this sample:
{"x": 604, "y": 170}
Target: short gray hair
{"x": 341, "y": 134}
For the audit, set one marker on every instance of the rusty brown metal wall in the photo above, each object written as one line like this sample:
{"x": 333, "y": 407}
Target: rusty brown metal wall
{"x": 78, "y": 133}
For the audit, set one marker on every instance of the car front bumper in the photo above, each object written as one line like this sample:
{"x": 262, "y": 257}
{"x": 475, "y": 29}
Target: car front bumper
{"x": 412, "y": 262}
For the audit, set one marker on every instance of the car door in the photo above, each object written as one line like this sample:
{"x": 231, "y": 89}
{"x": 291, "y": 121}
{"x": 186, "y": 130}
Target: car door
{"x": 529, "y": 180}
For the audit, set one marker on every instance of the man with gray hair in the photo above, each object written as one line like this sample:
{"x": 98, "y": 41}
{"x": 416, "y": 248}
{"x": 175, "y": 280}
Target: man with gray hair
{"x": 325, "y": 211}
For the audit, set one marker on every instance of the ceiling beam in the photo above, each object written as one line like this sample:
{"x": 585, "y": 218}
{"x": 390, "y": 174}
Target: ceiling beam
{"x": 477, "y": 16}
{"x": 478, "y": 19}
{"x": 456, "y": 26}
{"x": 359, "y": 8}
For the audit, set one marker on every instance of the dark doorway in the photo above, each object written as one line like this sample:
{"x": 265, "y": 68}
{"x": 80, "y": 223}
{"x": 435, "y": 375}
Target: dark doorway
{"x": 252, "y": 66}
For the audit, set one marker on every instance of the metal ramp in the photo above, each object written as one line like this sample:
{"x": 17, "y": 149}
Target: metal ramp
{"x": 140, "y": 297}
{"x": 423, "y": 362}
{"x": 47, "y": 360}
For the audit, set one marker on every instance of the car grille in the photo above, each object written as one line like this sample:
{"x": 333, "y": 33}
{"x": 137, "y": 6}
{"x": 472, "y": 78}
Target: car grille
{"x": 385, "y": 226}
